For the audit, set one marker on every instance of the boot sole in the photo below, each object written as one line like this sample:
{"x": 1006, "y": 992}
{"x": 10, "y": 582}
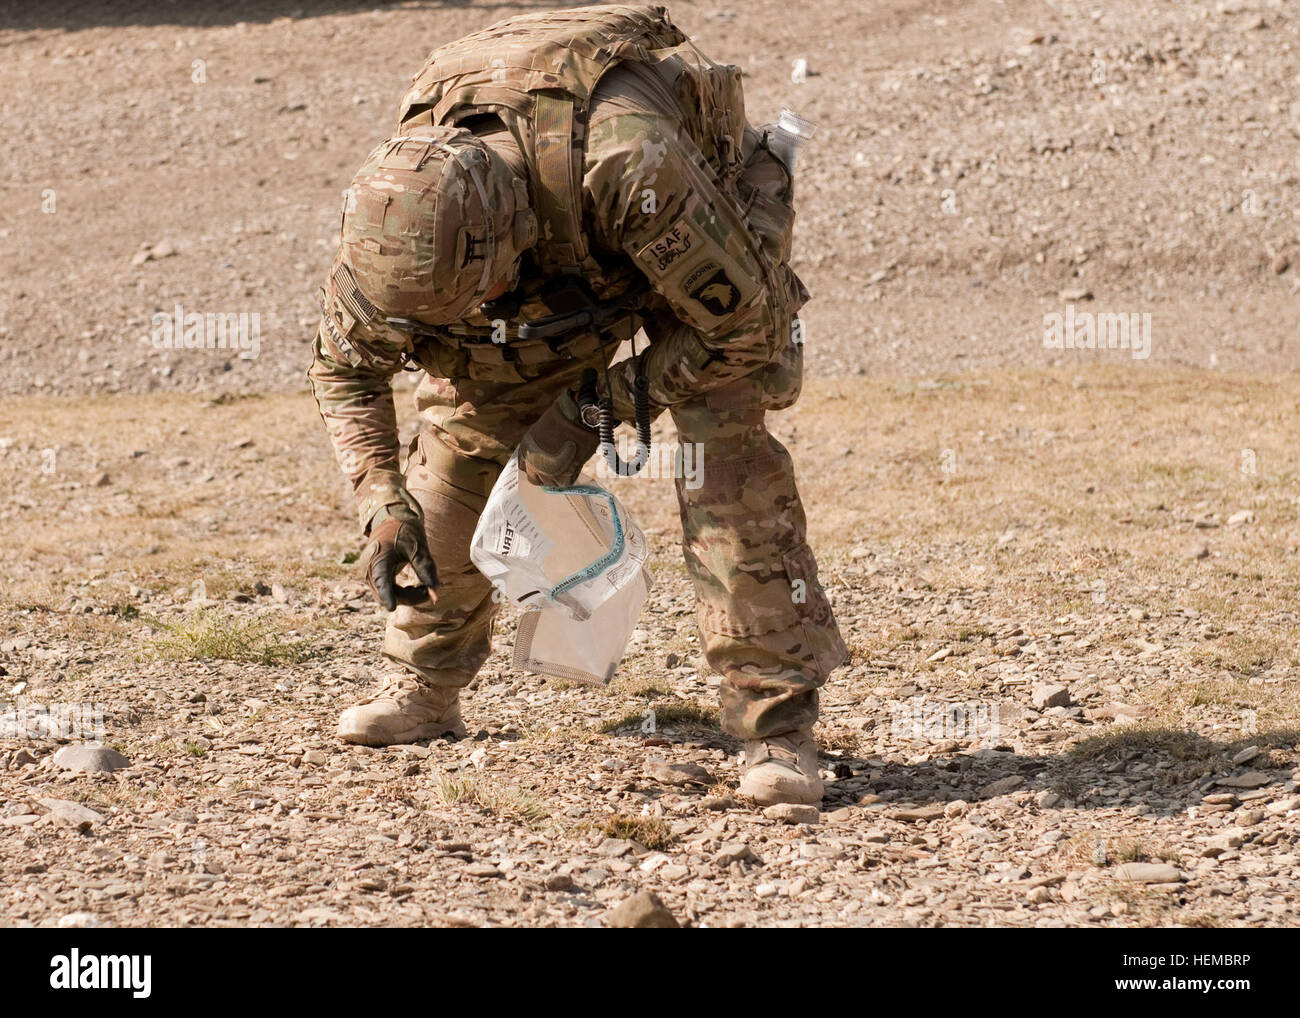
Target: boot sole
{"x": 431, "y": 730}
{"x": 766, "y": 795}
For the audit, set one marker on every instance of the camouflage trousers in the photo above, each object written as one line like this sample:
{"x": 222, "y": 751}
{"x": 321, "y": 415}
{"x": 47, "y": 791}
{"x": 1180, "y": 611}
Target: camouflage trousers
{"x": 765, "y": 623}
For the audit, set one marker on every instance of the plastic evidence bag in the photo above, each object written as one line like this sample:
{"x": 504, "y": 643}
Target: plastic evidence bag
{"x": 574, "y": 560}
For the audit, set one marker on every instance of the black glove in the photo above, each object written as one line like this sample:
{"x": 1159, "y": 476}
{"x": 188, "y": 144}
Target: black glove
{"x": 397, "y": 538}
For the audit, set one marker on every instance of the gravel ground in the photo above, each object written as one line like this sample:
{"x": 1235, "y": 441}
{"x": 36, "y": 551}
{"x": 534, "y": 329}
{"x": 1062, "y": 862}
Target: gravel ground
{"x": 1071, "y": 699}
{"x": 1068, "y": 579}
{"x": 974, "y": 163}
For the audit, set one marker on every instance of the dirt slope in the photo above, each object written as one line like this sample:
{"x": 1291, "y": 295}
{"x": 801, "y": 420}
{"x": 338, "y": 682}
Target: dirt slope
{"x": 974, "y": 161}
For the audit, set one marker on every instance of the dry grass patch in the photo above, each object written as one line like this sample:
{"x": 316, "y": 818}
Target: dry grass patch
{"x": 496, "y": 797}
{"x": 676, "y": 715}
{"x": 651, "y": 832}
{"x": 208, "y": 635}
{"x": 1147, "y": 739}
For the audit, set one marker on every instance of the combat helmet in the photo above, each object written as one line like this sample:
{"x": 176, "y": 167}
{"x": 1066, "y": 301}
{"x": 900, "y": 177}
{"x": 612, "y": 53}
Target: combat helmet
{"x": 432, "y": 222}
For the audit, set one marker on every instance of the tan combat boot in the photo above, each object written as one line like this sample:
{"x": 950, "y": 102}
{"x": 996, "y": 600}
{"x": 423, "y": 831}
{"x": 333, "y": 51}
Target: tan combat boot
{"x": 782, "y": 768}
{"x": 403, "y": 710}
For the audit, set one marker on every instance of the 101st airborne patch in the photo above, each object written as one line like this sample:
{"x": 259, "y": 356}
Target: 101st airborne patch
{"x": 699, "y": 277}
{"x": 710, "y": 286}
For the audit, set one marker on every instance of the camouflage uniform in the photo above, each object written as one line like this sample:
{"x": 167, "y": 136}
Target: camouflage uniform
{"x": 669, "y": 184}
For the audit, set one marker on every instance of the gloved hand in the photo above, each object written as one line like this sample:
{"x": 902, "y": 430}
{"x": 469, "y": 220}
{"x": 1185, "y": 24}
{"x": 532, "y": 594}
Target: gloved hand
{"x": 555, "y": 448}
{"x": 397, "y": 538}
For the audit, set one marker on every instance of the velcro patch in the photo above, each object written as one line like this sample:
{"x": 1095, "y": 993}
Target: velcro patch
{"x": 707, "y": 284}
{"x": 345, "y": 285}
{"x": 342, "y": 348}
{"x": 674, "y": 243}
{"x": 710, "y": 287}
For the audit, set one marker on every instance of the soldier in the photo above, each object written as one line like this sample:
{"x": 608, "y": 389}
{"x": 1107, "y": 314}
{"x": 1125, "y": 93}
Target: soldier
{"x": 548, "y": 161}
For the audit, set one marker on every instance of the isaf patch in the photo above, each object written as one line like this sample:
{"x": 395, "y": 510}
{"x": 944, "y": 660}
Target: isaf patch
{"x": 673, "y": 244}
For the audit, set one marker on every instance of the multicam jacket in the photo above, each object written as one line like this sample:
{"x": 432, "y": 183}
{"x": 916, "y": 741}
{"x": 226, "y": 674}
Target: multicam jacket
{"x": 642, "y": 170}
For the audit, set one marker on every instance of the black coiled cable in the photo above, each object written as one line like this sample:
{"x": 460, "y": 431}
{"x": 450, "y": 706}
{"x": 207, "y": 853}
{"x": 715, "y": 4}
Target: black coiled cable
{"x": 605, "y": 430}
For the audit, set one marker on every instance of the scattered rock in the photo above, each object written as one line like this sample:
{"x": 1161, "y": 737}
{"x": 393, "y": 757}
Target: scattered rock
{"x": 1002, "y": 786}
{"x": 90, "y": 758}
{"x": 790, "y": 813}
{"x": 733, "y": 851}
{"x": 1047, "y": 696}
{"x": 1148, "y": 872}
{"x": 78, "y": 921}
{"x": 1251, "y": 779}
{"x": 679, "y": 773}
{"x": 1246, "y": 755}
{"x": 642, "y": 911}
{"x": 72, "y": 813}
{"x": 1220, "y": 843}
{"x": 921, "y": 814}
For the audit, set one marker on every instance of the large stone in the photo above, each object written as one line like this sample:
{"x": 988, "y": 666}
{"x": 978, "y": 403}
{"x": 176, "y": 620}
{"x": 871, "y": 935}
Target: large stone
{"x": 73, "y": 813}
{"x": 1224, "y": 842}
{"x": 90, "y": 758}
{"x": 733, "y": 851}
{"x": 1002, "y": 786}
{"x": 1246, "y": 755}
{"x": 1047, "y": 696}
{"x": 642, "y": 911}
{"x": 1149, "y": 872}
{"x": 919, "y": 814}
{"x": 679, "y": 773}
{"x": 1251, "y": 779}
{"x": 791, "y": 813}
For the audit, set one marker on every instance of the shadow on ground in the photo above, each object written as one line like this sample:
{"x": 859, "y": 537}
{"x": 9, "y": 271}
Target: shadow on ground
{"x": 1160, "y": 768}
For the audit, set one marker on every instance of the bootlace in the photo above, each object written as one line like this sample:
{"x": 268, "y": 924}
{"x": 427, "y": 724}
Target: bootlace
{"x": 394, "y": 686}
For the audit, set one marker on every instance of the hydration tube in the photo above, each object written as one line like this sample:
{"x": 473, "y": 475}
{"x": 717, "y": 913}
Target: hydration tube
{"x": 605, "y": 561}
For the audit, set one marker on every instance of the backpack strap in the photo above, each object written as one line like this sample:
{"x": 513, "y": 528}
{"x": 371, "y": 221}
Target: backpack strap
{"x": 557, "y": 189}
